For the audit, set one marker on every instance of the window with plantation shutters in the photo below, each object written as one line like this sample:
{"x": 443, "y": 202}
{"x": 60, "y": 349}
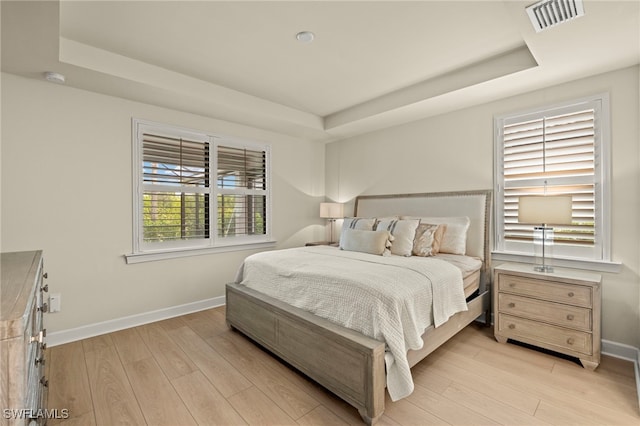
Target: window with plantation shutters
{"x": 555, "y": 151}
{"x": 196, "y": 191}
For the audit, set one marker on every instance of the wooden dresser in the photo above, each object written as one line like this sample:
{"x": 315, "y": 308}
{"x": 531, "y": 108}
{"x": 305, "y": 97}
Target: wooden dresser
{"x": 559, "y": 311}
{"x": 23, "y": 387}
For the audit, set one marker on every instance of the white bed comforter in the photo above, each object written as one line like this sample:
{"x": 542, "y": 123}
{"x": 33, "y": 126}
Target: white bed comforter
{"x": 392, "y": 299}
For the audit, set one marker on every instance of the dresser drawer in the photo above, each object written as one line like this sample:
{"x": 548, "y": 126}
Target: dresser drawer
{"x": 554, "y": 313}
{"x": 576, "y": 295}
{"x": 22, "y": 337}
{"x": 552, "y": 337}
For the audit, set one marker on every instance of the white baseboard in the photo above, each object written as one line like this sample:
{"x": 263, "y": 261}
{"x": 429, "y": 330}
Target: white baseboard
{"x": 92, "y": 330}
{"x": 620, "y": 350}
{"x": 627, "y": 352}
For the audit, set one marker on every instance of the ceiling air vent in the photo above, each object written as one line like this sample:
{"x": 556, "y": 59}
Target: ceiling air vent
{"x": 549, "y": 13}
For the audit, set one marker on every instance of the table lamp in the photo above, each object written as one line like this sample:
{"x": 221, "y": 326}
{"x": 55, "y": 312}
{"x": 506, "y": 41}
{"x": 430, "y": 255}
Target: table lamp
{"x": 331, "y": 211}
{"x": 544, "y": 210}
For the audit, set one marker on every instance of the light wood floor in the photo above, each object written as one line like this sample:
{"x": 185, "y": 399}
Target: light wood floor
{"x": 193, "y": 370}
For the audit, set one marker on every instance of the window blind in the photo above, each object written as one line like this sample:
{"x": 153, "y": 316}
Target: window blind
{"x": 198, "y": 191}
{"x": 241, "y": 191}
{"x": 175, "y": 174}
{"x": 552, "y": 154}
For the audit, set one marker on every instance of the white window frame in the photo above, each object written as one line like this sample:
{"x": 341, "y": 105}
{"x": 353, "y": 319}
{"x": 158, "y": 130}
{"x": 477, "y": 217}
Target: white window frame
{"x": 145, "y": 251}
{"x": 574, "y": 256}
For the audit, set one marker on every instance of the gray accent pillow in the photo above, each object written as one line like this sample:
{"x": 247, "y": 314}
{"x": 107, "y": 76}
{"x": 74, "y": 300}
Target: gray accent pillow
{"x": 372, "y": 242}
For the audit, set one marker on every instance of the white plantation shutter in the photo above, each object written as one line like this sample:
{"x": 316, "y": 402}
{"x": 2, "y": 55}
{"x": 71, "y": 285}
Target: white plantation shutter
{"x": 175, "y": 174}
{"x": 557, "y": 152}
{"x": 241, "y": 191}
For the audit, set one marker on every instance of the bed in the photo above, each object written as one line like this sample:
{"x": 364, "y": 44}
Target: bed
{"x": 347, "y": 362}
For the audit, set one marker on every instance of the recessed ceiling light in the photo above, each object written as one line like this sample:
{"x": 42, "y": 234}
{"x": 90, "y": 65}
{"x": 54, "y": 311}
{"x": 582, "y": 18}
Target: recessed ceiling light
{"x": 54, "y": 77}
{"x": 305, "y": 36}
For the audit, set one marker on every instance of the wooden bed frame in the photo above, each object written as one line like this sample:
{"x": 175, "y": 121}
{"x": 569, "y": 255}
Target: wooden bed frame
{"x": 344, "y": 361}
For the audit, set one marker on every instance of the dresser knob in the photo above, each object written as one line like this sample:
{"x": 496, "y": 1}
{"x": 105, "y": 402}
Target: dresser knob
{"x": 512, "y": 326}
{"x": 512, "y": 285}
{"x": 570, "y": 317}
{"x": 44, "y": 382}
{"x": 43, "y": 308}
{"x": 38, "y": 338}
{"x": 45, "y": 275}
{"x": 45, "y": 288}
{"x": 43, "y": 346}
{"x": 570, "y": 341}
{"x": 570, "y": 294}
{"x": 40, "y": 360}
{"x": 512, "y": 305}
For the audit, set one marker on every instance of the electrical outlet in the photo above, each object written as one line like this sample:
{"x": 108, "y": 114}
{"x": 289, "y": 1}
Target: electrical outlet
{"x": 55, "y": 302}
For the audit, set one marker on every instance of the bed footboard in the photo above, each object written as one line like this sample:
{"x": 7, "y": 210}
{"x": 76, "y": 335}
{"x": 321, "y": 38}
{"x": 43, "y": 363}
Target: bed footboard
{"x": 343, "y": 361}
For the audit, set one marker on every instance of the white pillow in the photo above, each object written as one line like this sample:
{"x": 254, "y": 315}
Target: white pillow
{"x": 454, "y": 240}
{"x": 372, "y": 242}
{"x": 403, "y": 231}
{"x": 362, "y": 223}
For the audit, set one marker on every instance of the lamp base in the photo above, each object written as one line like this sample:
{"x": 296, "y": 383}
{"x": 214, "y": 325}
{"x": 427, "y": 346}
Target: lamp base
{"x": 331, "y": 222}
{"x": 543, "y": 244}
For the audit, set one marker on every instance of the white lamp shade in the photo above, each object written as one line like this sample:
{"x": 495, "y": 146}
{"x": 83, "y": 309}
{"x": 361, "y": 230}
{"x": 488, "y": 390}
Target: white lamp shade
{"x": 331, "y": 210}
{"x": 545, "y": 209}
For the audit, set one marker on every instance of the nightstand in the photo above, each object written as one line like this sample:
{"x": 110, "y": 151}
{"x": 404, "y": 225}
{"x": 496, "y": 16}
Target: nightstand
{"x": 559, "y": 310}
{"x": 322, "y": 243}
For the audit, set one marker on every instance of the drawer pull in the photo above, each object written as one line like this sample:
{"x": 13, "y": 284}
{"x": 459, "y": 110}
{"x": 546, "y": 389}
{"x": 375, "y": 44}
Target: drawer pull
{"x": 512, "y": 326}
{"x": 40, "y": 360}
{"x": 45, "y": 275}
{"x": 570, "y": 317}
{"x": 512, "y": 305}
{"x": 45, "y": 288}
{"x": 44, "y": 307}
{"x": 44, "y": 382}
{"x": 512, "y": 285}
{"x": 39, "y": 338}
{"x": 570, "y": 294}
{"x": 570, "y": 341}
{"x": 43, "y": 346}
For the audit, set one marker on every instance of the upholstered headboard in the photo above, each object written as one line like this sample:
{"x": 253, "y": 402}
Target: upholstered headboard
{"x": 474, "y": 204}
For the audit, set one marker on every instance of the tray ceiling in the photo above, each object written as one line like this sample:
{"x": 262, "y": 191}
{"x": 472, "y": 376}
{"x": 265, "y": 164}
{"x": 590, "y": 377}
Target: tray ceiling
{"x": 372, "y": 64}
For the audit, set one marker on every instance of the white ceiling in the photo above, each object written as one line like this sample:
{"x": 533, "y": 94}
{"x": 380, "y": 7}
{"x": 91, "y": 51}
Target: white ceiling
{"x": 372, "y": 64}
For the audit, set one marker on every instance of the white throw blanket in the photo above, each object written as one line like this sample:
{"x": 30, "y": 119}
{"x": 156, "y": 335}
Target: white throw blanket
{"x": 392, "y": 299}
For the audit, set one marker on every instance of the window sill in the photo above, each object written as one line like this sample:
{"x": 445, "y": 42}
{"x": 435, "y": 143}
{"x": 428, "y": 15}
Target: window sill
{"x": 176, "y": 253}
{"x": 589, "y": 265}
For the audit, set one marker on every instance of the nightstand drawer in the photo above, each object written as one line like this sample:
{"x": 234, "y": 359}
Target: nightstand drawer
{"x": 547, "y": 290}
{"x": 545, "y": 335}
{"x": 540, "y": 310}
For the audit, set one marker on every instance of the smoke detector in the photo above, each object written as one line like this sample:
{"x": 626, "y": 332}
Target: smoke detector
{"x": 54, "y": 77}
{"x": 305, "y": 36}
{"x": 549, "y": 13}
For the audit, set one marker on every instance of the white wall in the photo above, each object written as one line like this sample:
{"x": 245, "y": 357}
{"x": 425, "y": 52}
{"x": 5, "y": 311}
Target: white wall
{"x": 455, "y": 152}
{"x": 66, "y": 189}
